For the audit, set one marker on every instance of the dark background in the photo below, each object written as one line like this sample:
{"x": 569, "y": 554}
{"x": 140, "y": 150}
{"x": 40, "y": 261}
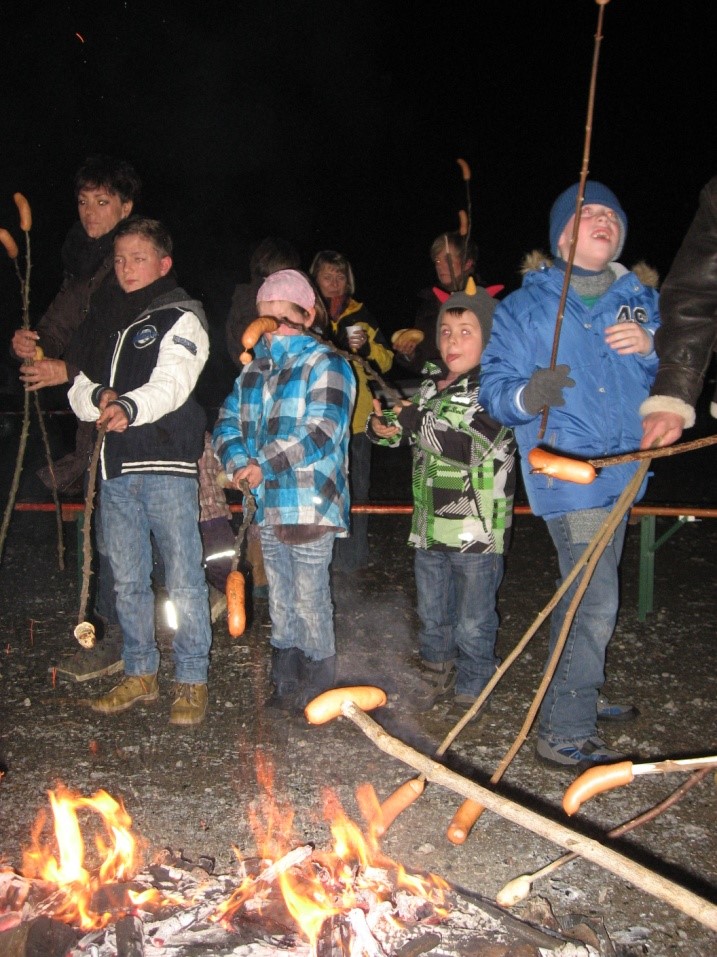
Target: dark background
{"x": 339, "y": 125}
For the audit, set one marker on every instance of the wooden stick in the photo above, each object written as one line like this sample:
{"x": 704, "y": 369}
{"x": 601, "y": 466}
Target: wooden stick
{"x": 657, "y": 453}
{"x": 86, "y": 540}
{"x": 578, "y": 207}
{"x": 518, "y": 889}
{"x": 641, "y": 877}
{"x": 55, "y": 496}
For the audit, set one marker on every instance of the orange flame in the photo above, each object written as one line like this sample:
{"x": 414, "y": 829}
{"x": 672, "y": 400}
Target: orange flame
{"x": 117, "y": 853}
{"x": 315, "y": 885}
{"x": 354, "y": 873}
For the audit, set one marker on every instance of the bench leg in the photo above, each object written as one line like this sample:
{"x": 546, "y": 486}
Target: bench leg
{"x": 647, "y": 566}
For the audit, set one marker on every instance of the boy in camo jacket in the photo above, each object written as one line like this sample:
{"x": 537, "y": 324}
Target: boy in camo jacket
{"x": 463, "y": 487}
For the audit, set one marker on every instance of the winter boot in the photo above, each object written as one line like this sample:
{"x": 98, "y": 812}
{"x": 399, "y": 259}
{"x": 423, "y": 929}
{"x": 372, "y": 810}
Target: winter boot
{"x": 437, "y": 680}
{"x": 285, "y": 665}
{"x": 315, "y": 677}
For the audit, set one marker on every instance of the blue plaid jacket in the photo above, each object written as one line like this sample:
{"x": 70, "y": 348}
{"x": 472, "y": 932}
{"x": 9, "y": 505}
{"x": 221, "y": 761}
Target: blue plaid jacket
{"x": 290, "y": 411}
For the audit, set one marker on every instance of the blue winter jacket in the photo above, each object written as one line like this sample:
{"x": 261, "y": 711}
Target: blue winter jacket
{"x": 290, "y": 411}
{"x": 600, "y": 416}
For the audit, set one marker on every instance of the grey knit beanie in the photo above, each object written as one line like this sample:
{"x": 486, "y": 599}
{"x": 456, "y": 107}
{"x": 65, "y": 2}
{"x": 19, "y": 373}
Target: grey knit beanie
{"x": 478, "y": 301}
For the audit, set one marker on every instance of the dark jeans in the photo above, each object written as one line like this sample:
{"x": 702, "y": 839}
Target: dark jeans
{"x": 352, "y": 553}
{"x": 457, "y": 607}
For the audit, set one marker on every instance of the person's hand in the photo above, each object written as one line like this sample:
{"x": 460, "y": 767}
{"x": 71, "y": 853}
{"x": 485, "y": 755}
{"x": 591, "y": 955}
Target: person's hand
{"x": 43, "y": 373}
{"x": 400, "y": 406}
{"x": 381, "y": 428}
{"x": 358, "y": 338}
{"x": 627, "y": 338}
{"x": 408, "y": 349}
{"x": 114, "y": 418}
{"x": 250, "y": 473}
{"x": 661, "y": 428}
{"x": 24, "y": 342}
{"x": 545, "y": 388}
{"x": 109, "y": 395}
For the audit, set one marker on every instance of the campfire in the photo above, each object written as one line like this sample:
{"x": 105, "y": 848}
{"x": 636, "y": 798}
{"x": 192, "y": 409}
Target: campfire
{"x": 100, "y": 897}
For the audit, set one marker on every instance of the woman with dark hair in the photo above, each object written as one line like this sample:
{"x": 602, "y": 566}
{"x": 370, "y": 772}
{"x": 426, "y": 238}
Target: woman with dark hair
{"x": 353, "y": 328}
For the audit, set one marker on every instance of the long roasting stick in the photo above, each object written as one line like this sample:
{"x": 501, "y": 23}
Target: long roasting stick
{"x": 578, "y": 204}
{"x": 642, "y": 877}
{"x": 657, "y": 453}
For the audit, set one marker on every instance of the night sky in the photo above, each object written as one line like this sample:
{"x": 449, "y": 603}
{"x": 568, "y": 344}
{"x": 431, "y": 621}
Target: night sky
{"x": 339, "y": 124}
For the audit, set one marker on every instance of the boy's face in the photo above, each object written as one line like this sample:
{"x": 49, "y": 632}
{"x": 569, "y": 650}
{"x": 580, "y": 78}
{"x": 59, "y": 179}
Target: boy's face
{"x": 137, "y": 262}
{"x": 450, "y": 269}
{"x": 598, "y": 237}
{"x": 460, "y": 341}
{"x": 281, "y": 309}
{"x": 100, "y": 210}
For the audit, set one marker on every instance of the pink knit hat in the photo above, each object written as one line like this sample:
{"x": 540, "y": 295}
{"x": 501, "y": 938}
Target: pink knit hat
{"x": 289, "y": 285}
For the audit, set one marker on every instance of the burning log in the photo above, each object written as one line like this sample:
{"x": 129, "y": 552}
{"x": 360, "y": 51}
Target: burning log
{"x": 41, "y": 937}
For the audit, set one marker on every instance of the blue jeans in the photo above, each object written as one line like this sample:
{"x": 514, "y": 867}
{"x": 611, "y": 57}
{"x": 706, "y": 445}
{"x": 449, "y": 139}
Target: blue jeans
{"x": 351, "y": 553}
{"x": 302, "y": 615}
{"x": 133, "y": 506}
{"x": 569, "y": 709}
{"x": 456, "y": 605}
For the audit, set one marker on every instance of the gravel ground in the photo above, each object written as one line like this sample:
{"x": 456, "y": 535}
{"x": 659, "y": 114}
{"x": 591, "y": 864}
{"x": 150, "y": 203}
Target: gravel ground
{"x": 192, "y": 789}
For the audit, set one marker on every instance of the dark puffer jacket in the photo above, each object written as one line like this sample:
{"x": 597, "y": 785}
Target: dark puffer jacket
{"x": 688, "y": 311}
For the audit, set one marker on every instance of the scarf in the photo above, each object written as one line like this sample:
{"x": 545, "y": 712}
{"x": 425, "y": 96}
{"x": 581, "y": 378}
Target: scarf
{"x": 81, "y": 255}
{"x": 111, "y": 311}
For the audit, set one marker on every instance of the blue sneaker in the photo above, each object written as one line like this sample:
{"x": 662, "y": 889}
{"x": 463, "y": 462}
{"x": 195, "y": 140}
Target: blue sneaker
{"x": 611, "y": 711}
{"x": 576, "y": 754}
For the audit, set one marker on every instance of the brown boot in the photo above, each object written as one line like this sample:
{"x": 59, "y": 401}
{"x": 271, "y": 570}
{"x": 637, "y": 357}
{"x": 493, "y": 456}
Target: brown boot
{"x": 134, "y": 688}
{"x": 189, "y": 705}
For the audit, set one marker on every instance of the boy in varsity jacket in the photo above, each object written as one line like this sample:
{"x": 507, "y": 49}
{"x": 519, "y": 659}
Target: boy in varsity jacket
{"x": 148, "y": 461}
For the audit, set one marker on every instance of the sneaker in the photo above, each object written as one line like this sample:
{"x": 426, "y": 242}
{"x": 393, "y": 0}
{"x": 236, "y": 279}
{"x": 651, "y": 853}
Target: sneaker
{"x": 439, "y": 679}
{"x": 134, "y": 688}
{"x": 577, "y": 754}
{"x": 104, "y": 659}
{"x": 611, "y": 711}
{"x": 189, "y": 705}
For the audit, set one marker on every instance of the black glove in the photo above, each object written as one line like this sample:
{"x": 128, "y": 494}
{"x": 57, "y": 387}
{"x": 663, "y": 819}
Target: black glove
{"x": 545, "y": 387}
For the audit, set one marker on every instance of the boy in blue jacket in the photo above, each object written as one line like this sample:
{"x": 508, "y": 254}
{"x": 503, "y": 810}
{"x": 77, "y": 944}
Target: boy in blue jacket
{"x": 605, "y": 365}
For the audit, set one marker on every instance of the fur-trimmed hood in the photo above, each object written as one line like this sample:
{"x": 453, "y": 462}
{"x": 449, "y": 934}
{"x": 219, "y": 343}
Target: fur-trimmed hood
{"x": 536, "y": 260}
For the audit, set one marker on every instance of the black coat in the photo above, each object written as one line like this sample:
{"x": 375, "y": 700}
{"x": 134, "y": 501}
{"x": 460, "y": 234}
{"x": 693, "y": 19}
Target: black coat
{"x": 688, "y": 307}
